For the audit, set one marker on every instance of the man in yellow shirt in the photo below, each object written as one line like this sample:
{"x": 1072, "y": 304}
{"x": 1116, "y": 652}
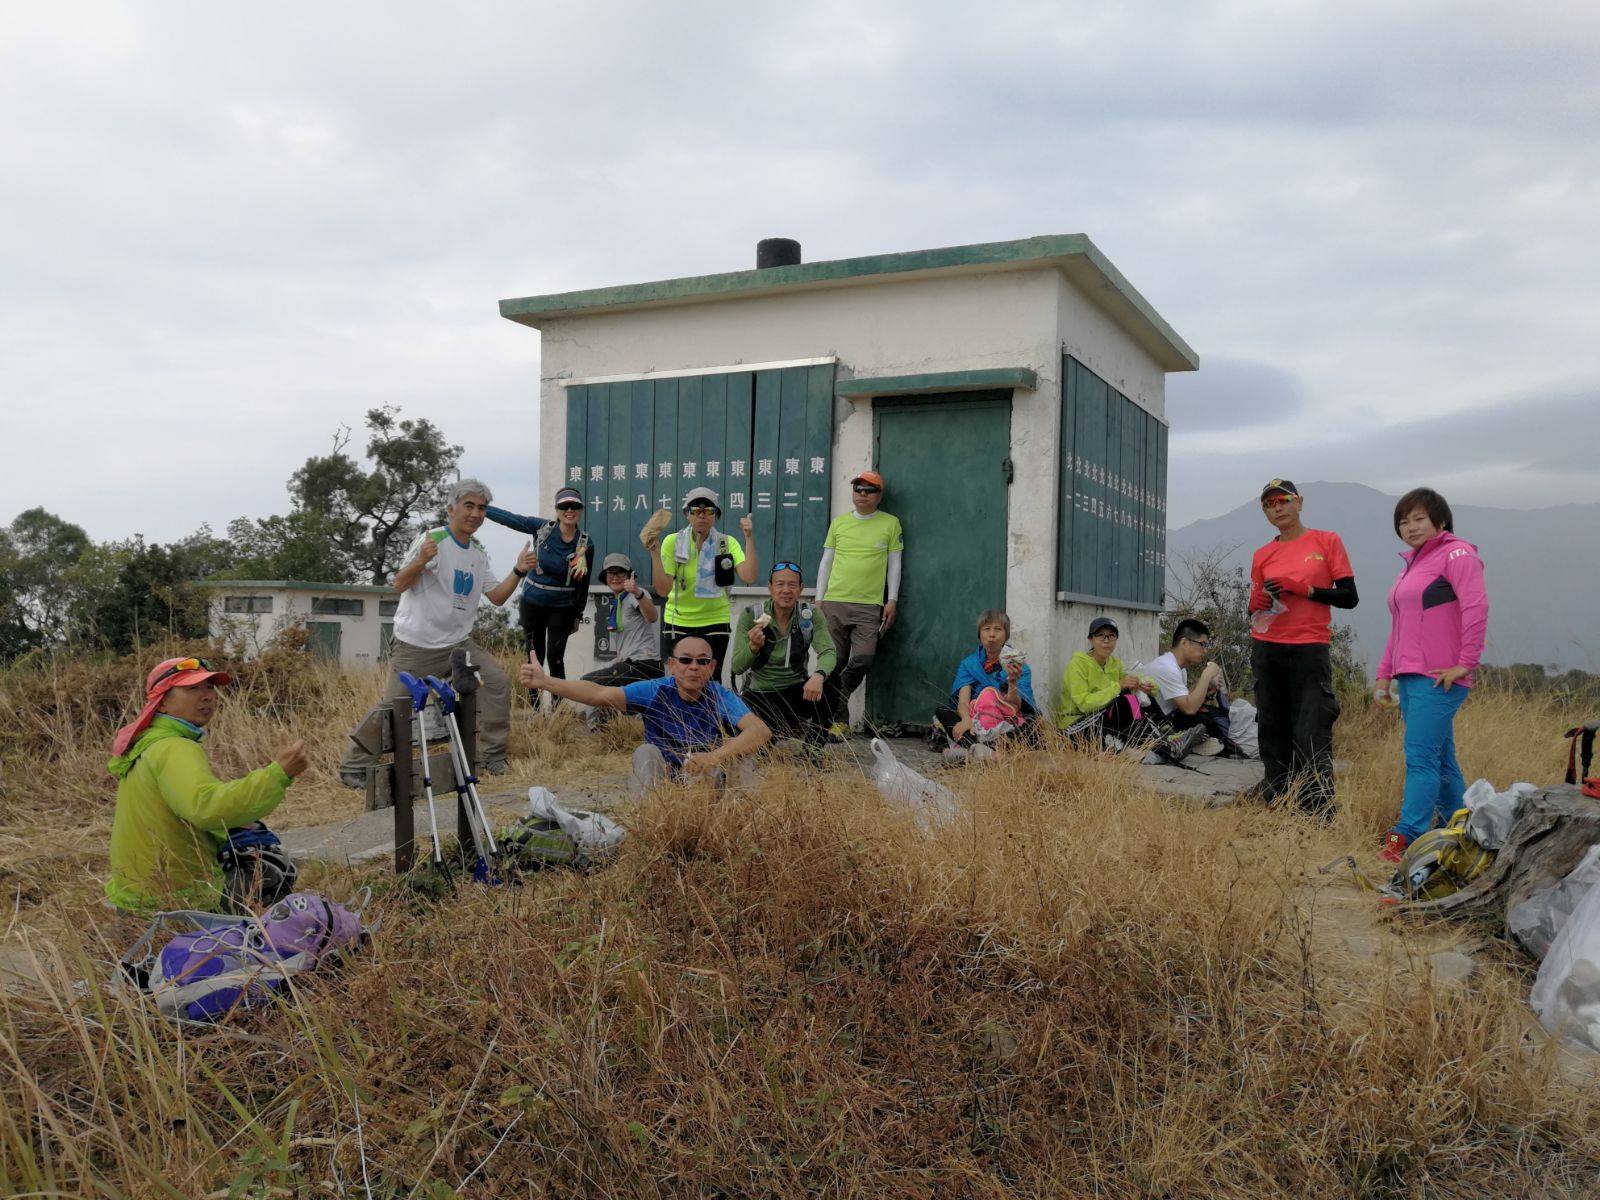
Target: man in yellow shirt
{"x": 858, "y": 586}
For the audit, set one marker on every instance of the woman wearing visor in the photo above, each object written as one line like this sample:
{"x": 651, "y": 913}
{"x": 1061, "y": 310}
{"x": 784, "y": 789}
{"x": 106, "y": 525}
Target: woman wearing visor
{"x": 694, "y": 568}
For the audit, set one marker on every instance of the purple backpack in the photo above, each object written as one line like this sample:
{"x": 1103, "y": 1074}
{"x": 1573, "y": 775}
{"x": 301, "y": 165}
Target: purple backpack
{"x": 215, "y": 964}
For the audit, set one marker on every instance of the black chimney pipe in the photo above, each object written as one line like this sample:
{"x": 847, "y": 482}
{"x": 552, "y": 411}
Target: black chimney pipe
{"x": 777, "y": 252}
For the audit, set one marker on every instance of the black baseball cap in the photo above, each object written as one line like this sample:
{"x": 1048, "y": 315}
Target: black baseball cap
{"x": 1286, "y": 486}
{"x": 1099, "y": 623}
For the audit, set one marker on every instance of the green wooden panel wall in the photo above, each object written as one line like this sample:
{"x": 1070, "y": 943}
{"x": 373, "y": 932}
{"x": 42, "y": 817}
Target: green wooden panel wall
{"x": 1111, "y": 493}
{"x": 762, "y": 439}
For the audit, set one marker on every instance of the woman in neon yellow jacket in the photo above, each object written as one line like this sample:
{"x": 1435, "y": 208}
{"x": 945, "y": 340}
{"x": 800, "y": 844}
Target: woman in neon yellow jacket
{"x": 1096, "y": 684}
{"x": 172, "y": 813}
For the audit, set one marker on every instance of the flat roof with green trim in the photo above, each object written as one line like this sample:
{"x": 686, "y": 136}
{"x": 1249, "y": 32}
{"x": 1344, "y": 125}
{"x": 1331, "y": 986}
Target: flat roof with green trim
{"x": 1072, "y": 253}
{"x": 295, "y": 585}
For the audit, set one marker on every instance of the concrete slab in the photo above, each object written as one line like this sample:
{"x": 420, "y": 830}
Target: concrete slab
{"x": 370, "y": 835}
{"x": 1213, "y": 781}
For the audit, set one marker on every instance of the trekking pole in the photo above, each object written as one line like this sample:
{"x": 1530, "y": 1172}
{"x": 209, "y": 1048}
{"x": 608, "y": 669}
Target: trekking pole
{"x": 419, "y": 701}
{"x": 466, "y": 781}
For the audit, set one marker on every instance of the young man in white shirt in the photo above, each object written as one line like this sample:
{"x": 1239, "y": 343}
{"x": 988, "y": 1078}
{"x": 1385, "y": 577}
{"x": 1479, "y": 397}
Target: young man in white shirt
{"x": 1187, "y": 705}
{"x": 446, "y": 573}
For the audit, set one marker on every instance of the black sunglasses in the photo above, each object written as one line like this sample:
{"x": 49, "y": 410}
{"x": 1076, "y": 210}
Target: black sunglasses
{"x": 864, "y": 489}
{"x": 693, "y": 662}
{"x": 569, "y": 506}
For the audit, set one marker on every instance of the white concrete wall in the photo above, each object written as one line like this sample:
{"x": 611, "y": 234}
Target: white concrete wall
{"x": 360, "y": 645}
{"x": 907, "y": 327}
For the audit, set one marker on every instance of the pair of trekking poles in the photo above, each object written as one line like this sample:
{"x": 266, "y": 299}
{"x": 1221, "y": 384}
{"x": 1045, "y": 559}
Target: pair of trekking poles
{"x": 448, "y": 700}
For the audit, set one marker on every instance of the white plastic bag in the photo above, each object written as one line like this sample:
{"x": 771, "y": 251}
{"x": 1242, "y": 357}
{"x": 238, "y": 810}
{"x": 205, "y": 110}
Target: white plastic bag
{"x": 1566, "y": 993}
{"x": 1242, "y": 727}
{"x": 1537, "y": 921}
{"x": 932, "y": 803}
{"x": 1493, "y": 813}
{"x": 596, "y": 836}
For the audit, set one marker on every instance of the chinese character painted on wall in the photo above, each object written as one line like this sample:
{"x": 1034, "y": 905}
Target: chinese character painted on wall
{"x": 713, "y": 470}
{"x": 763, "y": 466}
{"x": 619, "y": 471}
{"x": 663, "y": 501}
{"x": 641, "y": 501}
{"x": 619, "y": 504}
{"x": 664, "y": 470}
{"x": 736, "y": 467}
{"x": 597, "y": 474}
{"x": 687, "y": 470}
{"x": 763, "y": 499}
{"x": 574, "y": 474}
{"x": 816, "y": 466}
{"x": 791, "y": 466}
{"x": 597, "y": 504}
{"x": 736, "y": 500}
{"x": 641, "y": 470}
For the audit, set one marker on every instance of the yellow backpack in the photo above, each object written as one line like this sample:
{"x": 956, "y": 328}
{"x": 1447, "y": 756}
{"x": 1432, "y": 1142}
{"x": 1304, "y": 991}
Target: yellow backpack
{"x": 1441, "y": 861}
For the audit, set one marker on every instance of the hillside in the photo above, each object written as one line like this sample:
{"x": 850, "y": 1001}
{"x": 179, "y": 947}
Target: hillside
{"x": 1542, "y": 567}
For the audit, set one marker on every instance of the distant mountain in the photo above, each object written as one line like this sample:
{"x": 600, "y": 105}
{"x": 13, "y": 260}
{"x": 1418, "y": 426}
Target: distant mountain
{"x": 1542, "y": 566}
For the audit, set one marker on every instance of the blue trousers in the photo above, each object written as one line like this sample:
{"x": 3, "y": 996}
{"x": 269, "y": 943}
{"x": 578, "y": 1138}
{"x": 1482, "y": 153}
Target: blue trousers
{"x": 1433, "y": 777}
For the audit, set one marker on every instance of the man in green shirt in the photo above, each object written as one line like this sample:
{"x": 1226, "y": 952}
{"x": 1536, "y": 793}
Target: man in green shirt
{"x": 773, "y": 644}
{"x": 858, "y": 586}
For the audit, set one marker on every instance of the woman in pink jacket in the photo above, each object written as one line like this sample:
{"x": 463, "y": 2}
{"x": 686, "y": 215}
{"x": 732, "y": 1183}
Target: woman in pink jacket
{"x": 1438, "y": 612}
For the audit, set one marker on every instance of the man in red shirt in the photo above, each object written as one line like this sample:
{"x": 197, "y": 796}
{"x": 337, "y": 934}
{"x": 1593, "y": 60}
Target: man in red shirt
{"x": 1295, "y": 580}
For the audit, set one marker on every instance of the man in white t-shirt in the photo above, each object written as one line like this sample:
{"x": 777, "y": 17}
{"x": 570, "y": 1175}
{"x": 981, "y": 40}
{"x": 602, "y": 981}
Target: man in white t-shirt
{"x": 1184, "y": 704}
{"x": 446, "y": 574}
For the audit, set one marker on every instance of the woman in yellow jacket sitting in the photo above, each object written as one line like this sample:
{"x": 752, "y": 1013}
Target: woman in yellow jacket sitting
{"x": 173, "y": 814}
{"x": 1097, "y": 693}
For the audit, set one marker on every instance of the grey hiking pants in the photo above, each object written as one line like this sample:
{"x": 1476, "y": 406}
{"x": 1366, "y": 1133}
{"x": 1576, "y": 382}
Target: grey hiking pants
{"x": 650, "y": 770}
{"x": 494, "y": 697}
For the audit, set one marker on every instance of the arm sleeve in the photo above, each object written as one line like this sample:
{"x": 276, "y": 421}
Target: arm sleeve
{"x": 1085, "y": 692}
{"x": 894, "y": 575}
{"x": 528, "y": 525}
{"x": 822, "y": 643}
{"x": 197, "y": 796}
{"x": 1465, "y": 573}
{"x": 1341, "y": 595}
{"x": 743, "y": 656}
{"x": 823, "y": 568}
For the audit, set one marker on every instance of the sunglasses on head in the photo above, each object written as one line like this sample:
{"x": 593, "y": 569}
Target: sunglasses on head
{"x": 695, "y": 661}
{"x": 569, "y": 506}
{"x": 786, "y": 566}
{"x": 864, "y": 489}
{"x": 182, "y": 665}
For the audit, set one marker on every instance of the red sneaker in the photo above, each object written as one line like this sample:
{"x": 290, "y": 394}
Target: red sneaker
{"x": 1394, "y": 847}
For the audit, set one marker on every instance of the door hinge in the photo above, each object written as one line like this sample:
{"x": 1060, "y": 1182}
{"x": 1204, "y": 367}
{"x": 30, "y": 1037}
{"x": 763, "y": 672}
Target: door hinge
{"x": 1008, "y": 469}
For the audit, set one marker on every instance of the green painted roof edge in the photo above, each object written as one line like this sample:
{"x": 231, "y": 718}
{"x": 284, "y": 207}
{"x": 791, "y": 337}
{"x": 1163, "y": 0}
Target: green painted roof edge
{"x": 939, "y": 381}
{"x": 294, "y": 585}
{"x": 530, "y": 310}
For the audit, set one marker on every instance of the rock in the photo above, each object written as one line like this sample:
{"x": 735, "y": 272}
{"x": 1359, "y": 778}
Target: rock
{"x": 1360, "y": 946}
{"x": 1451, "y": 966}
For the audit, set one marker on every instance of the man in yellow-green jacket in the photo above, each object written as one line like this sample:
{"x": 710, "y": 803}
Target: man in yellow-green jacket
{"x": 173, "y": 814}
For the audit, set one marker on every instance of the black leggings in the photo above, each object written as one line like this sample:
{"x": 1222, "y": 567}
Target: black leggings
{"x": 545, "y": 632}
{"x": 716, "y": 635}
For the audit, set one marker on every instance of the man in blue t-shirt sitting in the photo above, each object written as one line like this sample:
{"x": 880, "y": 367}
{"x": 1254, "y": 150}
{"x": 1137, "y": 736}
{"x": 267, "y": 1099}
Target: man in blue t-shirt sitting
{"x": 693, "y": 727}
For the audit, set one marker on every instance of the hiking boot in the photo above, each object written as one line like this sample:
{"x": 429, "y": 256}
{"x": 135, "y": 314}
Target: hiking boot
{"x": 1210, "y": 748}
{"x": 596, "y": 719}
{"x": 1394, "y": 847}
{"x": 838, "y": 731}
{"x": 1175, "y": 747}
{"x": 497, "y": 766}
{"x": 353, "y": 777}
{"x": 1115, "y": 744}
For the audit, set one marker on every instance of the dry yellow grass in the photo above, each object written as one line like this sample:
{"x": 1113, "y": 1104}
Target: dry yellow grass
{"x": 1079, "y": 989}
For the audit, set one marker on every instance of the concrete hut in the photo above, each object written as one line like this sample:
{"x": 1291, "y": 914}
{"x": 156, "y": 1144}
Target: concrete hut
{"x": 1011, "y": 393}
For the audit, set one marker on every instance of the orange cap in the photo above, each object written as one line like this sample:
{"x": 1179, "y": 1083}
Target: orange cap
{"x": 163, "y": 677}
{"x": 871, "y": 477}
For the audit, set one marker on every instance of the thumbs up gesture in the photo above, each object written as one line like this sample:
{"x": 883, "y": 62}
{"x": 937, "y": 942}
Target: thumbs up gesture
{"x": 527, "y": 560}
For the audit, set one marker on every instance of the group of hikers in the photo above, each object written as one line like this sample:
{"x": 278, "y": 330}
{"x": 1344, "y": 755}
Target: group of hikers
{"x": 800, "y": 663}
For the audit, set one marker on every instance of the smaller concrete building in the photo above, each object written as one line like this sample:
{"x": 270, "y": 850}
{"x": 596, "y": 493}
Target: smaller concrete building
{"x": 350, "y": 622}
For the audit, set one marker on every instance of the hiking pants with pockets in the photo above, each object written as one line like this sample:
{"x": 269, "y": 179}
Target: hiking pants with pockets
{"x": 788, "y": 713}
{"x": 855, "y": 631}
{"x": 494, "y": 697}
{"x": 1295, "y": 711}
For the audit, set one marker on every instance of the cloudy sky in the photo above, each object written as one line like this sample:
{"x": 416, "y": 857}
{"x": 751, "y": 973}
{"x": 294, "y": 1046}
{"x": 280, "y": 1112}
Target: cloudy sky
{"x": 228, "y": 229}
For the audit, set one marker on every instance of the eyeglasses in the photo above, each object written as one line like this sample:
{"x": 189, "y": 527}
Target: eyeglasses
{"x": 864, "y": 489}
{"x": 1107, "y": 633}
{"x": 693, "y": 662}
{"x": 569, "y": 506}
{"x": 179, "y": 667}
{"x": 701, "y": 508}
{"x": 1198, "y": 642}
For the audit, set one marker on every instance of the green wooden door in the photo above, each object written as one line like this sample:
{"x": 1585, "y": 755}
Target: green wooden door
{"x": 945, "y": 464}
{"x": 325, "y": 638}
